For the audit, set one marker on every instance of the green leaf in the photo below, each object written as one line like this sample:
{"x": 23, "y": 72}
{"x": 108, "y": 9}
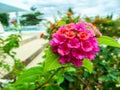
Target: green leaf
{"x": 60, "y": 80}
{"x": 113, "y": 77}
{"x": 51, "y": 60}
{"x": 61, "y": 23}
{"x": 76, "y": 19}
{"x": 32, "y": 86}
{"x": 88, "y": 65}
{"x": 22, "y": 86}
{"x": 8, "y": 87}
{"x": 71, "y": 69}
{"x": 30, "y": 75}
{"x": 102, "y": 78}
{"x": 69, "y": 77}
{"x": 108, "y": 41}
{"x": 53, "y": 88}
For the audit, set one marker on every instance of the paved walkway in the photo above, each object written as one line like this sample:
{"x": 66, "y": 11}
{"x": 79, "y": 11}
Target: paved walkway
{"x": 30, "y": 45}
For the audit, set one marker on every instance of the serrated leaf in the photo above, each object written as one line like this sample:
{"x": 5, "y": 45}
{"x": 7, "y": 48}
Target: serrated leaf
{"x": 51, "y": 60}
{"x": 61, "y": 23}
{"x": 88, "y": 65}
{"x": 108, "y": 41}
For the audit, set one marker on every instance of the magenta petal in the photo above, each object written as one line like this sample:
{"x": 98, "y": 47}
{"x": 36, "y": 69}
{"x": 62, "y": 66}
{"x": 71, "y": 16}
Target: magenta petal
{"x": 74, "y": 43}
{"x": 63, "y": 50}
{"x": 95, "y": 45}
{"x": 86, "y": 46}
{"x": 80, "y": 26}
{"x": 64, "y": 59}
{"x": 53, "y": 43}
{"x": 76, "y": 62}
{"x": 90, "y": 55}
{"x": 94, "y": 42}
{"x": 61, "y": 28}
{"x": 78, "y": 53}
{"x": 55, "y": 48}
{"x": 58, "y": 38}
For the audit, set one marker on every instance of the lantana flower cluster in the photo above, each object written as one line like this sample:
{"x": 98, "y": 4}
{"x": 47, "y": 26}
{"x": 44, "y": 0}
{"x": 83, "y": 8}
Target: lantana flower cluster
{"x": 74, "y": 42}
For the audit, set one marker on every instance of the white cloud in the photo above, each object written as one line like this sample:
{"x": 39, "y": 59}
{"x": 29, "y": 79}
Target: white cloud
{"x": 84, "y": 7}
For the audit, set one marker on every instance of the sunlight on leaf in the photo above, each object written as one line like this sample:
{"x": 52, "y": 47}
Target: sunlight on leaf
{"x": 61, "y": 23}
{"x": 88, "y": 65}
{"x": 108, "y": 41}
{"x": 51, "y": 60}
{"x": 30, "y": 75}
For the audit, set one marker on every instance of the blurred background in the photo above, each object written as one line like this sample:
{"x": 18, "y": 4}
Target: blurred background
{"x": 39, "y": 19}
{"x": 50, "y": 8}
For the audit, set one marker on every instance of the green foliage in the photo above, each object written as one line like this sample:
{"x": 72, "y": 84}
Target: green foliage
{"x": 31, "y": 18}
{"x": 107, "y": 25}
{"x": 51, "y": 60}
{"x": 11, "y": 42}
{"x": 60, "y": 80}
{"x": 68, "y": 77}
{"x": 4, "y": 19}
{"x": 61, "y": 23}
{"x": 106, "y": 68}
{"x": 7, "y": 44}
{"x": 70, "y": 10}
{"x": 108, "y": 41}
{"x": 6, "y": 48}
{"x": 30, "y": 75}
{"x": 88, "y": 65}
{"x": 53, "y": 87}
{"x": 9, "y": 87}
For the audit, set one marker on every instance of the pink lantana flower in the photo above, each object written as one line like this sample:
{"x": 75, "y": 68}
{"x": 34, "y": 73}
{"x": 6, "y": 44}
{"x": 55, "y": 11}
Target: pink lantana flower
{"x": 12, "y": 21}
{"x": 78, "y": 53}
{"x": 70, "y": 26}
{"x": 59, "y": 39}
{"x": 63, "y": 49}
{"x": 80, "y": 26}
{"x": 83, "y": 35}
{"x": 86, "y": 46}
{"x": 76, "y": 62}
{"x": 94, "y": 29}
{"x": 65, "y": 59}
{"x": 69, "y": 34}
{"x": 74, "y": 42}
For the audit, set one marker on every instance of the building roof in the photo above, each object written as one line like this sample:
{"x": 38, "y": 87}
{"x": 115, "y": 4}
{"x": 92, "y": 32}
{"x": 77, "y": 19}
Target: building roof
{"x": 4, "y": 8}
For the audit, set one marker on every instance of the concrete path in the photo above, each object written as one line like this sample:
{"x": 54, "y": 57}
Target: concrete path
{"x": 29, "y": 50}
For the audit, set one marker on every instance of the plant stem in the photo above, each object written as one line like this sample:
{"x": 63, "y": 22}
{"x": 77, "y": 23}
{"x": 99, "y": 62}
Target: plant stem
{"x": 49, "y": 78}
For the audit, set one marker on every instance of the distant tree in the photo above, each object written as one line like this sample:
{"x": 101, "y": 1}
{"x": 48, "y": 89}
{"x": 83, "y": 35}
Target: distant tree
{"x": 32, "y": 18}
{"x": 33, "y": 8}
{"x": 70, "y": 10}
{"x": 4, "y": 19}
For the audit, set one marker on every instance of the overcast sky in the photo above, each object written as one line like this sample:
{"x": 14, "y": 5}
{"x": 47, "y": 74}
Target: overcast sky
{"x": 83, "y": 7}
